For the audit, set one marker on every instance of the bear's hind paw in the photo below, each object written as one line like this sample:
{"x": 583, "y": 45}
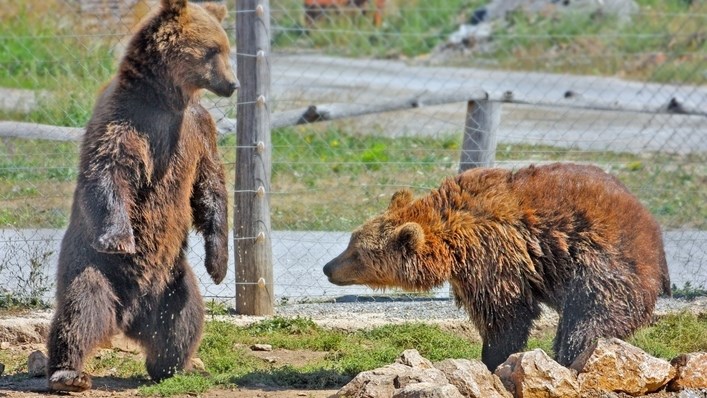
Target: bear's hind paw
{"x": 69, "y": 380}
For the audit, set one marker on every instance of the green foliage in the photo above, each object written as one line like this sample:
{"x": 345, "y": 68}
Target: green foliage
{"x": 687, "y": 291}
{"x": 44, "y": 51}
{"x": 193, "y": 384}
{"x": 13, "y": 302}
{"x": 672, "y": 335}
{"x": 36, "y": 182}
{"x": 118, "y": 363}
{"x": 341, "y": 178}
{"x": 14, "y": 364}
{"x": 666, "y": 5}
{"x": 288, "y": 326}
{"x": 312, "y": 149}
{"x": 326, "y": 177}
{"x": 23, "y": 160}
{"x": 662, "y": 43}
{"x": 542, "y": 342}
{"x": 216, "y": 308}
{"x": 411, "y": 28}
{"x": 228, "y": 361}
{"x": 219, "y": 351}
{"x": 310, "y": 377}
{"x": 432, "y": 342}
{"x": 279, "y": 331}
{"x": 363, "y": 350}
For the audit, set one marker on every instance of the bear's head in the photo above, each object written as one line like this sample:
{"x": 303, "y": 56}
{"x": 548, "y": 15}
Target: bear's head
{"x": 186, "y": 45}
{"x": 392, "y": 250}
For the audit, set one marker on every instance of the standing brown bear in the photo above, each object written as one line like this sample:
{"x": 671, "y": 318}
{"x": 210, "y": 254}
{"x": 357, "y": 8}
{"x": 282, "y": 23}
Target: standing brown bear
{"x": 149, "y": 170}
{"x": 566, "y": 235}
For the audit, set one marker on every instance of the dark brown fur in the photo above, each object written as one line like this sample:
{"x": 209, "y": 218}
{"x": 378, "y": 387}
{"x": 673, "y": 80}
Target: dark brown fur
{"x": 566, "y": 235}
{"x": 149, "y": 170}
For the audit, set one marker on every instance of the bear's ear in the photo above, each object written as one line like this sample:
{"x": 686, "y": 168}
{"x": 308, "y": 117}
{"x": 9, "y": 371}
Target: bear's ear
{"x": 400, "y": 199}
{"x": 411, "y": 236}
{"x": 217, "y": 10}
{"x": 174, "y": 5}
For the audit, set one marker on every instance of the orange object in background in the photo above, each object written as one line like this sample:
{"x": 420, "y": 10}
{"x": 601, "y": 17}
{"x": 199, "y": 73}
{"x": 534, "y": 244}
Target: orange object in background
{"x": 315, "y": 9}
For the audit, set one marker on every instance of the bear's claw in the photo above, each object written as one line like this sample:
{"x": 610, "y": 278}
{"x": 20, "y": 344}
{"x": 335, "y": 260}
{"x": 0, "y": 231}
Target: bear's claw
{"x": 115, "y": 243}
{"x": 69, "y": 380}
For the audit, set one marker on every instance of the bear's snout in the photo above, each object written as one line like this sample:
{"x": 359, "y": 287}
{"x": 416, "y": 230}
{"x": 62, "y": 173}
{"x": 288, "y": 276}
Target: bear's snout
{"x": 232, "y": 87}
{"x": 328, "y": 270}
{"x": 333, "y": 272}
{"x": 225, "y": 88}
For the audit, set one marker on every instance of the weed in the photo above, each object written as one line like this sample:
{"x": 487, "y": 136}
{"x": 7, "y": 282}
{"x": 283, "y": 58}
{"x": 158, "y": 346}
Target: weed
{"x": 688, "y": 292}
{"x": 672, "y": 335}
{"x": 289, "y": 326}
{"x": 192, "y": 384}
{"x": 26, "y": 269}
{"x": 117, "y": 363}
{"x": 216, "y": 308}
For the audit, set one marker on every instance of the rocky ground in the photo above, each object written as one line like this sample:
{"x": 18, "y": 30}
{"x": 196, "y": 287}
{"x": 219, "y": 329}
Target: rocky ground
{"x": 24, "y": 333}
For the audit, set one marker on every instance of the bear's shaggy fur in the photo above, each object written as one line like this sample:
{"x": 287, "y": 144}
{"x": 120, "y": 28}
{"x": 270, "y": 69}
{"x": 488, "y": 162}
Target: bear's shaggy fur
{"x": 149, "y": 170}
{"x": 566, "y": 235}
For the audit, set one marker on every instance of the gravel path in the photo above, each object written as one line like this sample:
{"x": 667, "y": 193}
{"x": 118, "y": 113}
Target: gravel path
{"x": 375, "y": 312}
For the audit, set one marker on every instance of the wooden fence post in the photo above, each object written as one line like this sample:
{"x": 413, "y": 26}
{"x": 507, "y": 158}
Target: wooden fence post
{"x": 479, "y": 144}
{"x": 252, "y": 234}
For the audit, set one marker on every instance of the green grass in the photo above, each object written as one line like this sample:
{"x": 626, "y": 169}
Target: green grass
{"x": 687, "y": 291}
{"x": 354, "y": 352}
{"x": 179, "y": 385}
{"x": 346, "y": 354}
{"x": 673, "y": 335}
{"x": 36, "y": 182}
{"x": 44, "y": 51}
{"x": 330, "y": 178}
{"x": 117, "y": 363}
{"x": 342, "y": 355}
{"x": 662, "y": 43}
{"x": 48, "y": 51}
{"x": 410, "y": 28}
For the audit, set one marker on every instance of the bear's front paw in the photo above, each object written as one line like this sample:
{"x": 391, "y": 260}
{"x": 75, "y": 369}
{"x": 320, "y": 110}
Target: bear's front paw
{"x": 116, "y": 242}
{"x": 69, "y": 380}
{"x": 216, "y": 260}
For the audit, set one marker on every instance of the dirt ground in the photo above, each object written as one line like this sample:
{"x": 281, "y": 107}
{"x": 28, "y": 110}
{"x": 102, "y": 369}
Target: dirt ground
{"x": 105, "y": 386}
{"x": 26, "y": 331}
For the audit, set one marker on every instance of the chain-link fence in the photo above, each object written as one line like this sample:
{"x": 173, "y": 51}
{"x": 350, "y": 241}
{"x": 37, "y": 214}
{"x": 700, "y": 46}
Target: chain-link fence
{"x": 619, "y": 84}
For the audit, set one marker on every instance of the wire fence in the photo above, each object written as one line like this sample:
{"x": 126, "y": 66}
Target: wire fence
{"x": 619, "y": 87}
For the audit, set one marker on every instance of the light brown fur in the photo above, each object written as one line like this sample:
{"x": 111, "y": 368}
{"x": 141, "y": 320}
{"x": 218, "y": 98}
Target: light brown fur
{"x": 566, "y": 235}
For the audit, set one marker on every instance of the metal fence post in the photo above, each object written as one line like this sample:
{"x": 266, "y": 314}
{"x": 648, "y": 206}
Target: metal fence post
{"x": 479, "y": 144}
{"x": 252, "y": 233}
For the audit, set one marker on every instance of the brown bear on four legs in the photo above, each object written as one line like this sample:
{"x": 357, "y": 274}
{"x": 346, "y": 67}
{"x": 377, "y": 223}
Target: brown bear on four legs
{"x": 149, "y": 170}
{"x": 566, "y": 235}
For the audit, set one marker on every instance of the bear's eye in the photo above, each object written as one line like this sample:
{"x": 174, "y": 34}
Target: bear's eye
{"x": 211, "y": 52}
